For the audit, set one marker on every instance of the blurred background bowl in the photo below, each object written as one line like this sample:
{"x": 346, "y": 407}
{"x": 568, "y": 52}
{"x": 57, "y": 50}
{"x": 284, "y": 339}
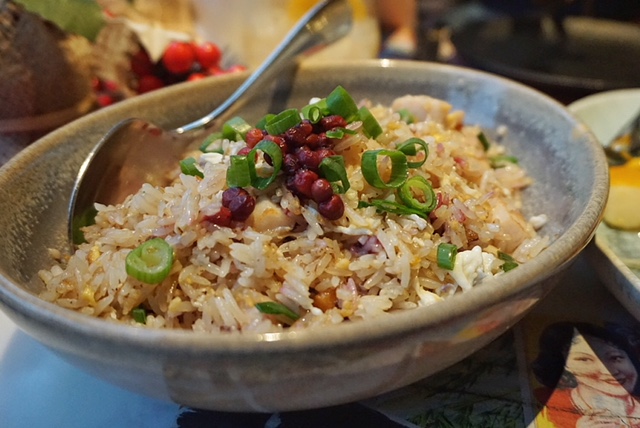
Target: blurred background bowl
{"x": 303, "y": 369}
{"x": 616, "y": 253}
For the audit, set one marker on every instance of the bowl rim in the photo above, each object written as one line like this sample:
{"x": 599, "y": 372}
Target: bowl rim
{"x": 558, "y": 254}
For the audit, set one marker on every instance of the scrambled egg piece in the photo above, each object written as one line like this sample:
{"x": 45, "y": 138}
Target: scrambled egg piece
{"x": 472, "y": 266}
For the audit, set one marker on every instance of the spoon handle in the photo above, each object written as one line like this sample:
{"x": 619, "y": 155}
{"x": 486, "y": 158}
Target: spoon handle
{"x": 310, "y": 33}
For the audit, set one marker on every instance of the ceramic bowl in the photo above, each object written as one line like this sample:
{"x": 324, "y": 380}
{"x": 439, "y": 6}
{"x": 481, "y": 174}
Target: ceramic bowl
{"x": 616, "y": 253}
{"x": 303, "y": 369}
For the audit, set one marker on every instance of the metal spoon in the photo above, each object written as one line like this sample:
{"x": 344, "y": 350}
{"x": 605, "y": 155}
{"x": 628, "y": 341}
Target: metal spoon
{"x": 135, "y": 151}
{"x": 626, "y": 144}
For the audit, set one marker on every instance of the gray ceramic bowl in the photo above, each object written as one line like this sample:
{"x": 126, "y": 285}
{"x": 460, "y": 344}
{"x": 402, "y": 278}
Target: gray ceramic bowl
{"x": 298, "y": 370}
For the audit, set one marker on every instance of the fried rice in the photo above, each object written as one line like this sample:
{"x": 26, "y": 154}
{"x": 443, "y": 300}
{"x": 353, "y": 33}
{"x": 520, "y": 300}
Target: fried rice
{"x": 367, "y": 263}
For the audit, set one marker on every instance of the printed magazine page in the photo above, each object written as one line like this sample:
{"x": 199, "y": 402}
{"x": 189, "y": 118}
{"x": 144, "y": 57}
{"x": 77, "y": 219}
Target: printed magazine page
{"x": 580, "y": 355}
{"x": 524, "y": 378}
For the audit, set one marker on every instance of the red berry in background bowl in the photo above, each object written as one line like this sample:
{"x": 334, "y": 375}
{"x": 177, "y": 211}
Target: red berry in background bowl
{"x": 179, "y": 57}
{"x": 208, "y": 54}
{"x": 149, "y": 83}
{"x": 196, "y": 76}
{"x": 141, "y": 64}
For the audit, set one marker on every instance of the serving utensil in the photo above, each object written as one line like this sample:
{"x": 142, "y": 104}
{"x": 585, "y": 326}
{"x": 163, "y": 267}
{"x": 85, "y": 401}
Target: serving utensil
{"x": 136, "y": 151}
{"x": 626, "y": 144}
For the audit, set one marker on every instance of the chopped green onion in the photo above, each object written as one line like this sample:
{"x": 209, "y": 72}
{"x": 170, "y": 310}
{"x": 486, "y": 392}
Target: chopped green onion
{"x": 283, "y": 121}
{"x": 263, "y": 122}
{"x": 235, "y": 129}
{"x": 316, "y": 111}
{"x": 502, "y": 160}
{"x": 370, "y": 125}
{"x": 406, "y": 116}
{"x": 412, "y": 147}
{"x": 86, "y": 218}
{"x": 275, "y": 308}
{"x": 484, "y": 141}
{"x": 407, "y": 196}
{"x": 275, "y": 153}
{"x": 139, "y": 315}
{"x": 341, "y": 103}
{"x": 332, "y": 168}
{"x": 399, "y": 168}
{"x": 238, "y": 174}
{"x": 189, "y": 166}
{"x": 338, "y": 133}
{"x": 391, "y": 207}
{"x": 509, "y": 262}
{"x": 207, "y": 144}
{"x": 151, "y": 262}
{"x": 447, "y": 255}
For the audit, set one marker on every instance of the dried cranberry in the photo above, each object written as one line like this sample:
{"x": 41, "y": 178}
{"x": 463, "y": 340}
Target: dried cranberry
{"x": 308, "y": 158}
{"x": 312, "y": 141}
{"x": 239, "y": 201}
{"x": 332, "y": 209}
{"x": 324, "y": 153}
{"x": 244, "y": 151}
{"x": 332, "y": 121}
{"x": 290, "y": 164}
{"x": 297, "y": 135}
{"x": 222, "y": 218}
{"x": 302, "y": 182}
{"x": 321, "y": 190}
{"x": 253, "y": 137}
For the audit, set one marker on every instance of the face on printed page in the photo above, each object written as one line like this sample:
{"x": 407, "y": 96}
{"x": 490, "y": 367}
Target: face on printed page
{"x": 601, "y": 366}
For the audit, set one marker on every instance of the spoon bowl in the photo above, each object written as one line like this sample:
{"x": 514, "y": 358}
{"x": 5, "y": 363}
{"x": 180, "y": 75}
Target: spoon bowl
{"x": 136, "y": 151}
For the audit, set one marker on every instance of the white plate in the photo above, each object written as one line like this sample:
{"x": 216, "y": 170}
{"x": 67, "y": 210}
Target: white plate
{"x": 38, "y": 389}
{"x": 616, "y": 254}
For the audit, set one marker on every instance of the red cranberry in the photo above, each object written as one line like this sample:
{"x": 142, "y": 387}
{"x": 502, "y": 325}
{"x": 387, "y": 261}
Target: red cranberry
{"x": 253, "y": 137}
{"x": 332, "y": 209}
{"x": 222, "y": 218}
{"x": 239, "y": 202}
{"x": 321, "y": 190}
{"x": 332, "y": 121}
{"x": 302, "y": 182}
{"x": 308, "y": 158}
{"x": 244, "y": 151}
{"x": 290, "y": 164}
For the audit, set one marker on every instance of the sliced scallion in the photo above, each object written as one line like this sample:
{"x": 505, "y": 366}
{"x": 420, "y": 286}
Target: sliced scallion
{"x": 189, "y": 166}
{"x": 391, "y": 207}
{"x": 412, "y": 147}
{"x": 399, "y": 168}
{"x": 316, "y": 111}
{"x": 447, "y": 255}
{"x": 427, "y": 201}
{"x": 263, "y": 122}
{"x": 207, "y": 145}
{"x": 333, "y": 169}
{"x": 238, "y": 174}
{"x": 484, "y": 141}
{"x": 151, "y": 262}
{"x": 275, "y": 153}
{"x": 235, "y": 129}
{"x": 501, "y": 161}
{"x": 341, "y": 103}
{"x": 339, "y": 133}
{"x": 275, "y": 308}
{"x": 139, "y": 315}
{"x": 283, "y": 121}
{"x": 509, "y": 262}
{"x": 406, "y": 116}
{"x": 370, "y": 125}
